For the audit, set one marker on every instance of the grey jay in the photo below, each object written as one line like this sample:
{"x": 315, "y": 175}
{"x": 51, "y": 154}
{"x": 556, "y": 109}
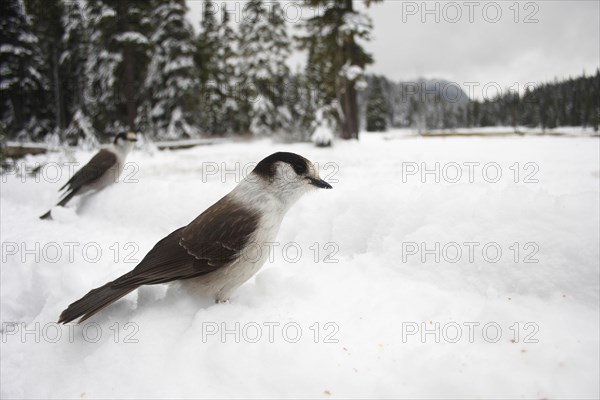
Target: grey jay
{"x": 102, "y": 170}
{"x": 213, "y": 254}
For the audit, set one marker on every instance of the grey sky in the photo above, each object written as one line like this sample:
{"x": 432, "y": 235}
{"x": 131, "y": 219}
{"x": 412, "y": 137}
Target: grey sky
{"x": 560, "y": 38}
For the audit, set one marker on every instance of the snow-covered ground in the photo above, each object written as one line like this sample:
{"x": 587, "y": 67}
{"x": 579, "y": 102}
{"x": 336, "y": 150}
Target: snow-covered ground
{"x": 364, "y": 311}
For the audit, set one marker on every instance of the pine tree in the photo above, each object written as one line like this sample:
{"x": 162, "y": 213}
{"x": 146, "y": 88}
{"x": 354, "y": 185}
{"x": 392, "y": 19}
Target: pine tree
{"x": 301, "y": 99}
{"x": 377, "y": 109}
{"x": 73, "y": 61}
{"x": 117, "y": 63}
{"x": 46, "y": 20}
{"x": 263, "y": 49}
{"x": 172, "y": 81}
{"x": 220, "y": 103}
{"x": 336, "y": 58}
{"x": 23, "y": 87}
{"x": 207, "y": 41}
{"x": 101, "y": 71}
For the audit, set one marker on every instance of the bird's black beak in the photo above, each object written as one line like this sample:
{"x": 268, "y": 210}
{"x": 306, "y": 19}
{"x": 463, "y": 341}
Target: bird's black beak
{"x": 320, "y": 183}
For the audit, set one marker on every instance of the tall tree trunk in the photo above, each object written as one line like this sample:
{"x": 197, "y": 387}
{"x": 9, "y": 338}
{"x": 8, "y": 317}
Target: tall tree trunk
{"x": 352, "y": 110}
{"x": 129, "y": 87}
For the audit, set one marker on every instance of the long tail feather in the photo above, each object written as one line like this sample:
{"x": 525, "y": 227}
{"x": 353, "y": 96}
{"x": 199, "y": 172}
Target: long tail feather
{"x": 48, "y": 215}
{"x": 93, "y": 302}
{"x": 63, "y": 202}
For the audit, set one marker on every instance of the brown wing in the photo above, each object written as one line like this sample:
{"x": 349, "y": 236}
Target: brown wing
{"x": 94, "y": 169}
{"x": 209, "y": 242}
{"x": 167, "y": 261}
{"x": 220, "y": 233}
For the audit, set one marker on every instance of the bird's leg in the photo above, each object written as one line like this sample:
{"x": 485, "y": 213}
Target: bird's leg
{"x": 223, "y": 295}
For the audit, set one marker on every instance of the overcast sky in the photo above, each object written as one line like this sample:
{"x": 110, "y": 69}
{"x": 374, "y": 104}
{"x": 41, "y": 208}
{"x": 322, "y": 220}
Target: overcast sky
{"x": 502, "y": 42}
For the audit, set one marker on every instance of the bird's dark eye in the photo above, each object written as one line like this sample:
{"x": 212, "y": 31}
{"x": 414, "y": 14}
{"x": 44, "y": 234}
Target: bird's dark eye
{"x": 299, "y": 168}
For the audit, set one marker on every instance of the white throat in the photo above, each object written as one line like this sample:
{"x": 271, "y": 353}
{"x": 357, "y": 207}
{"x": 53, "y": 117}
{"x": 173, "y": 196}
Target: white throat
{"x": 267, "y": 197}
{"x": 122, "y": 149}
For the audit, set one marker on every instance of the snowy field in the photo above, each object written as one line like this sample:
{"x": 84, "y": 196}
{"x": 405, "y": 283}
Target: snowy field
{"x": 480, "y": 285}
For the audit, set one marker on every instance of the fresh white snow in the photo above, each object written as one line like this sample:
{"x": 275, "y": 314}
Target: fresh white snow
{"x": 352, "y": 72}
{"x": 365, "y": 307}
{"x": 357, "y": 23}
{"x": 323, "y": 134}
{"x": 133, "y": 37}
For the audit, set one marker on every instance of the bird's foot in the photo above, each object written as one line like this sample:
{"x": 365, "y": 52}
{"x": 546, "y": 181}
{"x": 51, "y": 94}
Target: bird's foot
{"x": 222, "y": 301}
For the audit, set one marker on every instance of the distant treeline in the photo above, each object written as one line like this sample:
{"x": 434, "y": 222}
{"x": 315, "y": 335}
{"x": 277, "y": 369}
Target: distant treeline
{"x": 431, "y": 104}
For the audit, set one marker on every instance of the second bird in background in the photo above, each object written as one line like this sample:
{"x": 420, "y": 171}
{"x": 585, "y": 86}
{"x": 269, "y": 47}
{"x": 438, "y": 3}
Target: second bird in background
{"x": 101, "y": 171}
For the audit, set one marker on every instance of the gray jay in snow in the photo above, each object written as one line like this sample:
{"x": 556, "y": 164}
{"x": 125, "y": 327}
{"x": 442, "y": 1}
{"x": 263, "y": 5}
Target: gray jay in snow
{"x": 102, "y": 170}
{"x": 210, "y": 254}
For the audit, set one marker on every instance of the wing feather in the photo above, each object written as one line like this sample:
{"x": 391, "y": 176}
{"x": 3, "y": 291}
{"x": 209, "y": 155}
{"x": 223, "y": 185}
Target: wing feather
{"x": 220, "y": 233}
{"x": 94, "y": 169}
